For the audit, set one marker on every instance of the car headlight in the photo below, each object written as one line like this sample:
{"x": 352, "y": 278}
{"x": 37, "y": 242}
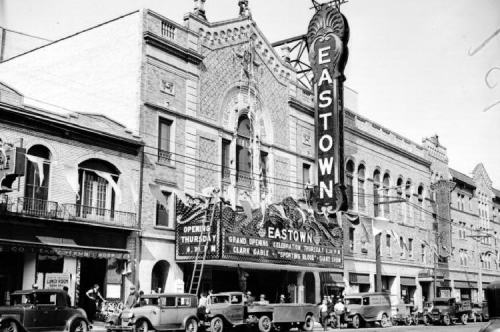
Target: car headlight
{"x": 207, "y": 310}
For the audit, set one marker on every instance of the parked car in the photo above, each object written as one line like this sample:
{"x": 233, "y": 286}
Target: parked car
{"x": 42, "y": 309}
{"x": 479, "y": 312}
{"x": 162, "y": 312}
{"x": 229, "y": 309}
{"x": 365, "y": 308}
{"x": 404, "y": 314}
{"x": 447, "y": 311}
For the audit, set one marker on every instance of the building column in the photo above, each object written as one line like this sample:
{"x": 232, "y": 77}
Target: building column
{"x": 300, "y": 287}
{"x": 317, "y": 287}
{"x": 29, "y": 271}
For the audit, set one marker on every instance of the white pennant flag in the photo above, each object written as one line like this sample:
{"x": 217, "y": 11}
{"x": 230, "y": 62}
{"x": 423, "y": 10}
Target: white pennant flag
{"x": 39, "y": 163}
{"x": 71, "y": 175}
{"x": 375, "y": 230}
{"x": 395, "y": 236}
{"x": 157, "y": 193}
{"x": 112, "y": 183}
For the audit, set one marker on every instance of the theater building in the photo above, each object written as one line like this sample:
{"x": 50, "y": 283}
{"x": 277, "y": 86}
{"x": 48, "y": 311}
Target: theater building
{"x": 67, "y": 215}
{"x": 218, "y": 106}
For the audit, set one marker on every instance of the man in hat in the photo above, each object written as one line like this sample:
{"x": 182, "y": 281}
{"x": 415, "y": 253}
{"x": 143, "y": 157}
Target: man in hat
{"x": 339, "y": 310}
{"x": 132, "y": 299}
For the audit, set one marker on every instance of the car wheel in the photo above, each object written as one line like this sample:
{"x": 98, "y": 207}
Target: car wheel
{"x": 265, "y": 324}
{"x": 473, "y": 318}
{"x": 142, "y": 326}
{"x": 308, "y": 323}
{"x": 463, "y": 319}
{"x": 356, "y": 322}
{"x": 216, "y": 324}
{"x": 191, "y": 325}
{"x": 10, "y": 327}
{"x": 384, "y": 322}
{"x": 79, "y": 325}
{"x": 426, "y": 320}
{"x": 408, "y": 320}
{"x": 446, "y": 320}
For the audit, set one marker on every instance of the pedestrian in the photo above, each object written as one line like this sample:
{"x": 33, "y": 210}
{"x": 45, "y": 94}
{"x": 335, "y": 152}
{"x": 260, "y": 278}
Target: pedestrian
{"x": 93, "y": 296}
{"x": 249, "y": 298}
{"x": 202, "y": 306}
{"x": 132, "y": 299}
{"x": 339, "y": 310}
{"x": 282, "y": 298}
{"x": 142, "y": 301}
{"x": 67, "y": 298}
{"x": 323, "y": 311}
{"x": 263, "y": 300}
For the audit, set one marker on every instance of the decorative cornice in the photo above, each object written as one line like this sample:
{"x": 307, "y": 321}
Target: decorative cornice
{"x": 390, "y": 147}
{"x": 172, "y": 48}
{"x": 300, "y": 106}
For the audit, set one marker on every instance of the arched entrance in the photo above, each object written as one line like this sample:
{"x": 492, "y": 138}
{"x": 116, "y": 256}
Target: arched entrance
{"x": 159, "y": 276}
{"x": 309, "y": 288}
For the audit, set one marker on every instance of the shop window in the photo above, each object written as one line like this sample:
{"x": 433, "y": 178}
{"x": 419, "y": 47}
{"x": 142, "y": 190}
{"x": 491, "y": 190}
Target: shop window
{"x": 49, "y": 264}
{"x": 37, "y": 162}
{"x": 162, "y": 214}
{"x": 348, "y": 182}
{"x": 97, "y": 197}
{"x": 226, "y": 161}
{"x": 420, "y": 192}
{"x": 164, "y": 140}
{"x": 422, "y": 253}
{"x": 361, "y": 187}
{"x": 159, "y": 276}
{"x": 376, "y": 196}
{"x": 408, "y": 198}
{"x": 386, "y": 183}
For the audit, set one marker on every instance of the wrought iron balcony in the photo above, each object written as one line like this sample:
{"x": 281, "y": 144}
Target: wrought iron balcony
{"x": 103, "y": 216}
{"x": 39, "y": 208}
{"x": 226, "y": 174}
{"x": 164, "y": 157}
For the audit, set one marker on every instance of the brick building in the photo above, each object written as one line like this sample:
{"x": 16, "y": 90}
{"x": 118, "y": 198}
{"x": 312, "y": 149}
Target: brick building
{"x": 217, "y": 105}
{"x": 69, "y": 217}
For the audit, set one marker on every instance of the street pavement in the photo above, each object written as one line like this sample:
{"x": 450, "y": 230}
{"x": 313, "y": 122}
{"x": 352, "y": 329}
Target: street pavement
{"x": 471, "y": 327}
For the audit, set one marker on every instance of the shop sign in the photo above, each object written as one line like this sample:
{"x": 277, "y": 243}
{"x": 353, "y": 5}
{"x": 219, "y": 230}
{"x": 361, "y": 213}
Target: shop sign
{"x": 280, "y": 233}
{"x": 57, "y": 280}
{"x": 327, "y": 43}
{"x": 67, "y": 252}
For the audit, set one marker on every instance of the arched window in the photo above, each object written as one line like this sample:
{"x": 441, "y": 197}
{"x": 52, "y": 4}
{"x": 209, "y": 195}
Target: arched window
{"x": 36, "y": 187}
{"x": 97, "y": 196}
{"x": 386, "y": 183}
{"x": 376, "y": 194}
{"x": 348, "y": 182}
{"x": 159, "y": 276}
{"x": 361, "y": 187}
{"x": 408, "y": 198}
{"x": 243, "y": 152}
{"x": 420, "y": 192}
{"x": 399, "y": 191}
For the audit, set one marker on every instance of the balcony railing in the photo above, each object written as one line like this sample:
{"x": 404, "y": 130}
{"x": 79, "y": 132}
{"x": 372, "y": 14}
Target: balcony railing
{"x": 226, "y": 174}
{"x": 106, "y": 216}
{"x": 164, "y": 156}
{"x": 37, "y": 207}
{"x": 32, "y": 207}
{"x": 244, "y": 179}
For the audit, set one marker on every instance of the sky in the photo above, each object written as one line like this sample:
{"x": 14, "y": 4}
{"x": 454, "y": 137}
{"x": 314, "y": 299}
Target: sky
{"x": 420, "y": 67}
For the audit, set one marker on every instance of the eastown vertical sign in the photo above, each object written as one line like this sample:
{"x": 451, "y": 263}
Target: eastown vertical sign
{"x": 327, "y": 38}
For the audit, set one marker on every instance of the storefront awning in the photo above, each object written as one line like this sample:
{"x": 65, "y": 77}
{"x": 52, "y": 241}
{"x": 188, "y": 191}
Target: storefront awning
{"x": 65, "y": 247}
{"x": 407, "y": 281}
{"x": 332, "y": 279}
{"x": 465, "y": 284}
{"x": 357, "y": 278}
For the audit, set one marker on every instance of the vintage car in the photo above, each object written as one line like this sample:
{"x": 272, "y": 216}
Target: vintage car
{"x": 404, "y": 314}
{"x": 229, "y": 309}
{"x": 42, "y": 309}
{"x": 479, "y": 312}
{"x": 160, "y": 312}
{"x": 447, "y": 310}
{"x": 365, "y": 308}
